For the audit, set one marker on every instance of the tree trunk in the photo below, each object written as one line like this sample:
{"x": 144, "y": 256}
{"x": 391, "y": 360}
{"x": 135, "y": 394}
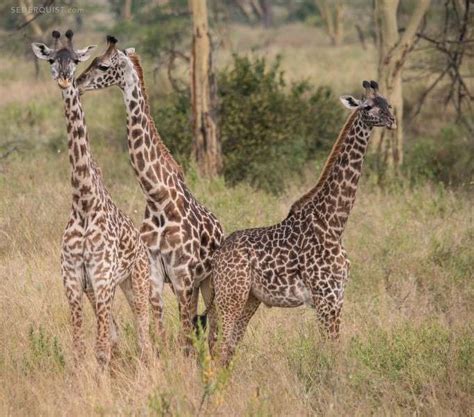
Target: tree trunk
{"x": 332, "y": 14}
{"x": 267, "y": 13}
{"x": 206, "y": 141}
{"x": 127, "y": 10}
{"x": 29, "y": 17}
{"x": 393, "y": 51}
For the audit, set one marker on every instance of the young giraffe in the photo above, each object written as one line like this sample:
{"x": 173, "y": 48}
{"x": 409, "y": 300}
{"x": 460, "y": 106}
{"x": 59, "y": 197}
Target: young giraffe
{"x": 300, "y": 260}
{"x": 180, "y": 233}
{"x": 101, "y": 248}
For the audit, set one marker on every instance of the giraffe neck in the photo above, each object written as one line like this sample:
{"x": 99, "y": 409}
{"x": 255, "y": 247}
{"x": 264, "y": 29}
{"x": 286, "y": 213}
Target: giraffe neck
{"x": 331, "y": 200}
{"x": 83, "y": 169}
{"x": 157, "y": 171}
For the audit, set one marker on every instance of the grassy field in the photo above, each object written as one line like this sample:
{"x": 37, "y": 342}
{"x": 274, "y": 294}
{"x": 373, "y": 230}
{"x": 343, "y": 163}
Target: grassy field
{"x": 407, "y": 338}
{"x": 407, "y": 341}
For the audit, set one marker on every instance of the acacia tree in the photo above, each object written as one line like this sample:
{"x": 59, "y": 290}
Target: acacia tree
{"x": 332, "y": 14}
{"x": 394, "y": 47}
{"x": 206, "y": 141}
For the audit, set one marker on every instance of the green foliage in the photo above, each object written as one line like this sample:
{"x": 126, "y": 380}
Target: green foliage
{"x": 303, "y": 10}
{"x": 312, "y": 362}
{"x": 156, "y": 29}
{"x": 268, "y": 130}
{"x": 213, "y": 378}
{"x": 45, "y": 351}
{"x": 173, "y": 116}
{"x": 410, "y": 357}
{"x": 159, "y": 405}
{"x": 447, "y": 157}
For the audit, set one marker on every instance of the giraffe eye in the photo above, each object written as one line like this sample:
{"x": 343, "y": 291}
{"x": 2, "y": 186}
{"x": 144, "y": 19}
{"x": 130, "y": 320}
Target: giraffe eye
{"x": 368, "y": 107}
{"x": 51, "y": 61}
{"x": 103, "y": 67}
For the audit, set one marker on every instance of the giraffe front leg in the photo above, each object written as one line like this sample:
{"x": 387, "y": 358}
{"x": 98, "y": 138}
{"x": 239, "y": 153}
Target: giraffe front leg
{"x": 73, "y": 281}
{"x": 185, "y": 304}
{"x": 328, "y": 302}
{"x": 104, "y": 294}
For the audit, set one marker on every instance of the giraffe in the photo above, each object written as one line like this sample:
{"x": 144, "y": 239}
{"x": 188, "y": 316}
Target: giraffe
{"x": 101, "y": 248}
{"x": 301, "y": 260}
{"x": 180, "y": 232}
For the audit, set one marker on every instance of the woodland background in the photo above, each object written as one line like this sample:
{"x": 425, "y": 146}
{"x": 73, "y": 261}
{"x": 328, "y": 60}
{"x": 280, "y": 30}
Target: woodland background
{"x": 279, "y": 66}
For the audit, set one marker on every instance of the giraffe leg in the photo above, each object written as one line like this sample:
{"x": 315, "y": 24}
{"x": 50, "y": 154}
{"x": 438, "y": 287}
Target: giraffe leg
{"x": 185, "y": 301}
{"x": 156, "y": 296}
{"x": 181, "y": 280}
{"x": 114, "y": 332}
{"x": 328, "y": 309}
{"x": 104, "y": 294}
{"x": 138, "y": 299}
{"x": 249, "y": 310}
{"x": 213, "y": 329}
{"x": 231, "y": 302}
{"x": 72, "y": 278}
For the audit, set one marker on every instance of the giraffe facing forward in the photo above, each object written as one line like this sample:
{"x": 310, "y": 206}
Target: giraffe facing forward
{"x": 300, "y": 260}
{"x": 101, "y": 248}
{"x": 180, "y": 232}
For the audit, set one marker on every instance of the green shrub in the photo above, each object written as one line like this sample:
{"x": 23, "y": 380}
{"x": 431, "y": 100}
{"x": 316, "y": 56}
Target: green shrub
{"x": 447, "y": 158}
{"x": 268, "y": 130}
{"x": 174, "y": 122}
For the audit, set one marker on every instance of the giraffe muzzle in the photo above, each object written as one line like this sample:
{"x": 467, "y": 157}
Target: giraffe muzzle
{"x": 64, "y": 83}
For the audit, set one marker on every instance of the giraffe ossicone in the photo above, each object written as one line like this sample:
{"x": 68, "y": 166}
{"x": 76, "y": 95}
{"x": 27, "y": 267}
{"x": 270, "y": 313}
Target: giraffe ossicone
{"x": 300, "y": 260}
{"x": 101, "y": 248}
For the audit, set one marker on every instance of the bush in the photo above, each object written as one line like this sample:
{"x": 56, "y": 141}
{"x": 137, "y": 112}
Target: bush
{"x": 174, "y": 123}
{"x": 447, "y": 158}
{"x": 268, "y": 130}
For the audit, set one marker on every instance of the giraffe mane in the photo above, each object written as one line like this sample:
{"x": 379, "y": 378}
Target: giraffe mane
{"x": 135, "y": 59}
{"x": 335, "y": 151}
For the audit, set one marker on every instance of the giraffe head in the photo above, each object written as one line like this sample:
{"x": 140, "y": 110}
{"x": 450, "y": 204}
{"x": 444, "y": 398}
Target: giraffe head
{"x": 63, "y": 59}
{"x": 374, "y": 108}
{"x": 113, "y": 67}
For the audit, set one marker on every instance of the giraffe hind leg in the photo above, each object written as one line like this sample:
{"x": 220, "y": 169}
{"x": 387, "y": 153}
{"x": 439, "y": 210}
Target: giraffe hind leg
{"x": 157, "y": 278}
{"x": 231, "y": 301}
{"x": 137, "y": 291}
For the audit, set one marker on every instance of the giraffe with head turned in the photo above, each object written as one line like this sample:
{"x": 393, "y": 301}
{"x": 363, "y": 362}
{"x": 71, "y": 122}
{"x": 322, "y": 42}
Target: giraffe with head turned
{"x": 300, "y": 260}
{"x": 180, "y": 232}
{"x": 101, "y": 249}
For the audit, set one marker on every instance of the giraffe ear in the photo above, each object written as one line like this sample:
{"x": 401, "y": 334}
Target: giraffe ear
{"x": 129, "y": 51}
{"x": 350, "y": 102}
{"x": 42, "y": 51}
{"x": 84, "y": 54}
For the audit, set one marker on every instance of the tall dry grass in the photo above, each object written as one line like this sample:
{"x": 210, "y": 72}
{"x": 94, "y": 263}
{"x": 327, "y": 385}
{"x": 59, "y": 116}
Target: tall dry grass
{"x": 407, "y": 338}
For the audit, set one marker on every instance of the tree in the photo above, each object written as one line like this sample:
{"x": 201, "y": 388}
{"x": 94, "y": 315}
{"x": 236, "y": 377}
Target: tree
{"x": 450, "y": 45}
{"x": 394, "y": 47}
{"x": 127, "y": 10}
{"x": 332, "y": 14}
{"x": 206, "y": 141}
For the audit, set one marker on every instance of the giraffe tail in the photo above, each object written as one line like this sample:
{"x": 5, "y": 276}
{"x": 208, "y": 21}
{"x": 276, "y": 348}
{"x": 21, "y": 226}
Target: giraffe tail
{"x": 200, "y": 320}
